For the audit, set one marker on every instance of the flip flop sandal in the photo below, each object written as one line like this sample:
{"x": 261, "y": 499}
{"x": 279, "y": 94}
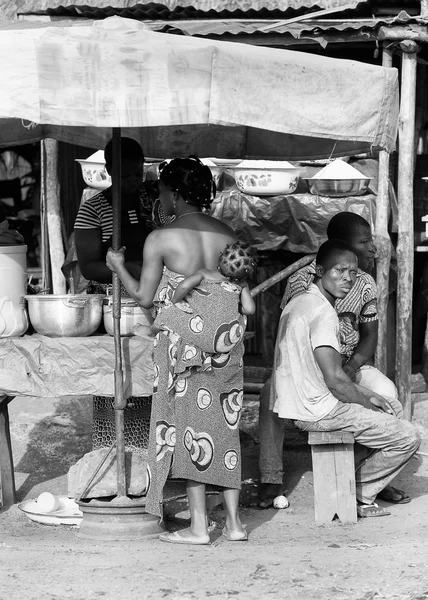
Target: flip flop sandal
{"x": 235, "y": 537}
{"x": 266, "y": 499}
{"x": 371, "y": 510}
{"x": 175, "y": 538}
{"x": 211, "y": 525}
{"x": 266, "y": 503}
{"x": 387, "y": 495}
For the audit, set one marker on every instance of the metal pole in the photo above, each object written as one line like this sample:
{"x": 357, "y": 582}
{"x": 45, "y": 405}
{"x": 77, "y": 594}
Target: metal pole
{"x": 120, "y": 403}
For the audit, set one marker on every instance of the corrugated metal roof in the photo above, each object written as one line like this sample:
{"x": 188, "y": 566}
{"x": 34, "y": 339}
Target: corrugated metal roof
{"x": 192, "y": 21}
{"x": 217, "y": 7}
{"x": 156, "y": 11}
{"x": 296, "y": 30}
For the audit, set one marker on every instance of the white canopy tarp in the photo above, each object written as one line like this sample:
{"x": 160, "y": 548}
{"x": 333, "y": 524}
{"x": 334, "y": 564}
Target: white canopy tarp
{"x": 75, "y": 80}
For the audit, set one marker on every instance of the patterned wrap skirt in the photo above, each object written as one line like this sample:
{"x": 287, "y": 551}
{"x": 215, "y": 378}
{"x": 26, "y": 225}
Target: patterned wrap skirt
{"x": 198, "y": 388}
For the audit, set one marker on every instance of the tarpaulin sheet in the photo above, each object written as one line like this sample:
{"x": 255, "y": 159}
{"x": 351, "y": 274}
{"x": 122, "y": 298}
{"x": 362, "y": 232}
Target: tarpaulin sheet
{"x": 295, "y": 223}
{"x": 36, "y": 365}
{"x": 117, "y": 73}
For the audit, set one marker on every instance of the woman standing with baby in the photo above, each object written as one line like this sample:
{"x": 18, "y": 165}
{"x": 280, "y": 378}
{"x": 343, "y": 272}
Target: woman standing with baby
{"x": 198, "y": 389}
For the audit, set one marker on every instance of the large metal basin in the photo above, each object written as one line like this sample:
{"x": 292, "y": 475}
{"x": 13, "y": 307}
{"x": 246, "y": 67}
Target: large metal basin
{"x": 66, "y": 315}
{"x": 338, "y": 188}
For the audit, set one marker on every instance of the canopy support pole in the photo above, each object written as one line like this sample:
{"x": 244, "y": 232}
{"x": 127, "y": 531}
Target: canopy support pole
{"x": 120, "y": 403}
{"x": 405, "y": 244}
{"x": 383, "y": 244}
{"x": 53, "y": 215}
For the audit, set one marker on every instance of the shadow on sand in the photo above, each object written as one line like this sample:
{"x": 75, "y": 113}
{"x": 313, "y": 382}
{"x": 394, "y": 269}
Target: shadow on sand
{"x": 55, "y": 443}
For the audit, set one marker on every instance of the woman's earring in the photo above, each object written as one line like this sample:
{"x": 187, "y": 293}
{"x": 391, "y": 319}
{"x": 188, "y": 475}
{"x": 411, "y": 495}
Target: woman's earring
{"x": 174, "y": 202}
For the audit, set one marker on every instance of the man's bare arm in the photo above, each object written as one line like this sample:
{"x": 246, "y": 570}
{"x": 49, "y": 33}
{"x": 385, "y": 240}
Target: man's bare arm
{"x": 342, "y": 388}
{"x": 339, "y": 384}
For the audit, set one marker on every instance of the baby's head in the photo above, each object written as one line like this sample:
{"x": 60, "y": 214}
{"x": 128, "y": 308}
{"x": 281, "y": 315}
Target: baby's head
{"x": 238, "y": 261}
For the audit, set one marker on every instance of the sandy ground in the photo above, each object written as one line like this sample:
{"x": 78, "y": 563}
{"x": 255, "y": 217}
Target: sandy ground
{"x": 287, "y": 555}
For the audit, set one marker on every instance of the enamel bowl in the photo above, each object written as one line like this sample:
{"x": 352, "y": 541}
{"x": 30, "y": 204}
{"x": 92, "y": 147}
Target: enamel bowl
{"x": 266, "y": 178}
{"x": 94, "y": 171}
{"x": 94, "y": 174}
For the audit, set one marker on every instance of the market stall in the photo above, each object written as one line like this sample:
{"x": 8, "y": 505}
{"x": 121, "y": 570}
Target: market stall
{"x": 185, "y": 95}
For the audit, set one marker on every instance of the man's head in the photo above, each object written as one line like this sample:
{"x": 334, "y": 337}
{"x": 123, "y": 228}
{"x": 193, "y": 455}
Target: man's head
{"x": 131, "y": 161}
{"x": 336, "y": 269}
{"x": 356, "y": 231}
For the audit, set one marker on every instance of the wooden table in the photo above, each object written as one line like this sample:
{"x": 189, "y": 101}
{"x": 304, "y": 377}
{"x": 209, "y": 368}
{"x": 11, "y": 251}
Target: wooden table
{"x": 38, "y": 366}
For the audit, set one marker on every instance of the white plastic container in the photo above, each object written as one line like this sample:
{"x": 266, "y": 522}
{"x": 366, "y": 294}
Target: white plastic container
{"x": 131, "y": 314}
{"x": 13, "y": 279}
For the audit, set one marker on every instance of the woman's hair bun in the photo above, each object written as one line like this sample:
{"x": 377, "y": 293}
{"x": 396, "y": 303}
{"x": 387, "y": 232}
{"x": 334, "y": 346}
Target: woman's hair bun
{"x": 191, "y": 179}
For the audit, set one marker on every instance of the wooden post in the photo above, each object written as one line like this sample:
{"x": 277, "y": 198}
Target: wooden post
{"x": 383, "y": 244}
{"x": 7, "y": 474}
{"x": 405, "y": 245}
{"x": 53, "y": 215}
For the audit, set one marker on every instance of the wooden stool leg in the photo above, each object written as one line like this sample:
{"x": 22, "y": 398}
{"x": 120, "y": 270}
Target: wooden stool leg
{"x": 7, "y": 474}
{"x": 345, "y": 470}
{"x": 334, "y": 483}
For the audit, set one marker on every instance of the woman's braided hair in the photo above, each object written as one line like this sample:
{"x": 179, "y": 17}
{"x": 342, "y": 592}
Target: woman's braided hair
{"x": 238, "y": 261}
{"x": 191, "y": 179}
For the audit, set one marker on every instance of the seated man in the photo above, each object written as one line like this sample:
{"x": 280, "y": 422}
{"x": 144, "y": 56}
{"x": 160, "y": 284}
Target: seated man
{"x": 358, "y": 320}
{"x": 310, "y": 386}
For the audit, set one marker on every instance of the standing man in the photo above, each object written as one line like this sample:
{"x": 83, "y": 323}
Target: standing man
{"x": 310, "y": 386}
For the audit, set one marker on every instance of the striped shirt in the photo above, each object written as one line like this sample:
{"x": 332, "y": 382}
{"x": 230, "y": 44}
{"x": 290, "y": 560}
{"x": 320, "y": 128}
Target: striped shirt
{"x": 97, "y": 213}
{"x": 358, "y": 306}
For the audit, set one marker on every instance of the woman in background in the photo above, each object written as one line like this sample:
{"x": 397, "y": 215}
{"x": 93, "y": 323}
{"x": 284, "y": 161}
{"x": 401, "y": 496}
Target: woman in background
{"x": 93, "y": 229}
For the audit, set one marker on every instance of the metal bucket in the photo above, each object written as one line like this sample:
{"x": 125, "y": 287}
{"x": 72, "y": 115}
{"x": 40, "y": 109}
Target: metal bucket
{"x": 131, "y": 314}
{"x": 65, "y": 315}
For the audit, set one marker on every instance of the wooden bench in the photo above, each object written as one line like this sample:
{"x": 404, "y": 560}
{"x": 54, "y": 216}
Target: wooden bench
{"x": 334, "y": 476}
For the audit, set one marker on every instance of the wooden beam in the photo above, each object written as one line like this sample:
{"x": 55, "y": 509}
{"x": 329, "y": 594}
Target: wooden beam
{"x": 405, "y": 245}
{"x": 286, "y": 40}
{"x": 398, "y": 33}
{"x": 302, "y": 262}
{"x": 383, "y": 244}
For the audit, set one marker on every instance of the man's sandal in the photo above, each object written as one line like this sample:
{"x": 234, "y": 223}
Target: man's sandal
{"x": 267, "y": 494}
{"x": 394, "y": 495}
{"x": 371, "y": 510}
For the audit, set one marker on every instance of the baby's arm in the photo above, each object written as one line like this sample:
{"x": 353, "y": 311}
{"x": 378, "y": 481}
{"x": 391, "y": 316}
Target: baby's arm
{"x": 186, "y": 286}
{"x": 248, "y": 306}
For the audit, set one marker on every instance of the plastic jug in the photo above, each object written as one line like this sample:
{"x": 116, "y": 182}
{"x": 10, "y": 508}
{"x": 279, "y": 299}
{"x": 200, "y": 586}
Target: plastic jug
{"x": 13, "y": 278}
